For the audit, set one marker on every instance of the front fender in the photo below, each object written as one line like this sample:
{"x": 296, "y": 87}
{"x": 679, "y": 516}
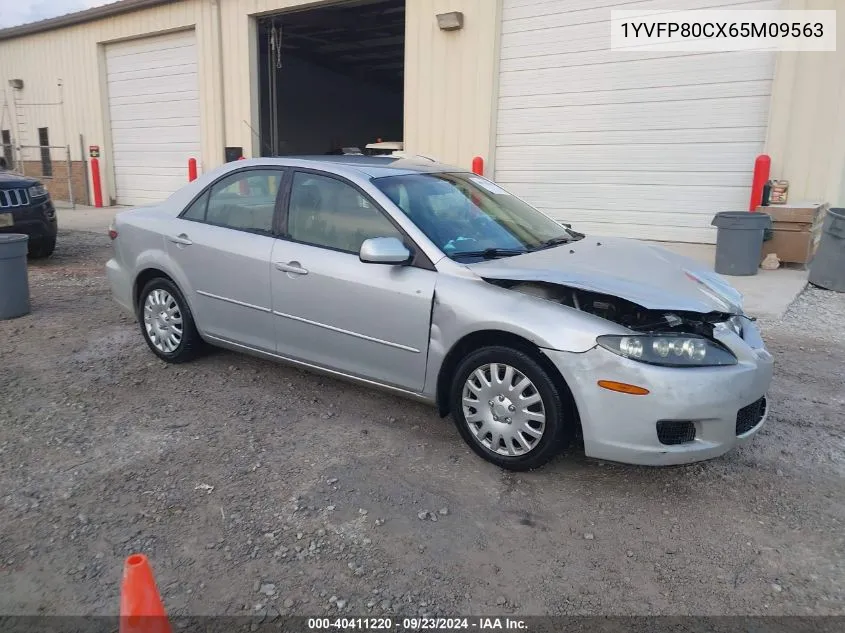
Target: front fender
{"x": 464, "y": 306}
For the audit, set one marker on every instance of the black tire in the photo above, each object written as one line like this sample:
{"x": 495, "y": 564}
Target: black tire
{"x": 191, "y": 343}
{"x": 560, "y": 419}
{"x": 42, "y": 248}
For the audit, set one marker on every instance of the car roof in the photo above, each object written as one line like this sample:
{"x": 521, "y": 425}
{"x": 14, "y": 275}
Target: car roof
{"x": 372, "y": 166}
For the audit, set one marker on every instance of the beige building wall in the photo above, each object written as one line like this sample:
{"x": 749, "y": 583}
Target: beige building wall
{"x": 240, "y": 66}
{"x": 451, "y": 80}
{"x": 450, "y": 86}
{"x": 806, "y": 136}
{"x": 76, "y": 55}
{"x": 450, "y": 77}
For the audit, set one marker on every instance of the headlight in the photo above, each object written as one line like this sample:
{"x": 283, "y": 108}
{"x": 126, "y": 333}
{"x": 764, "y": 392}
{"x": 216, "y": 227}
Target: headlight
{"x": 670, "y": 350}
{"x": 37, "y": 191}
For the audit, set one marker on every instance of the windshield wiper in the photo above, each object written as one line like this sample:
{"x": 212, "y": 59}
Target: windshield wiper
{"x": 555, "y": 241}
{"x": 490, "y": 253}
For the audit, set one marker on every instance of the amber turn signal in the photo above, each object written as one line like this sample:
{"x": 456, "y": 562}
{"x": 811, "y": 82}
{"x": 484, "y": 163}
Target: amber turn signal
{"x": 622, "y": 387}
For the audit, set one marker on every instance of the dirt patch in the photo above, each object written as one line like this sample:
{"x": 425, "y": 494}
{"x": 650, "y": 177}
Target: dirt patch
{"x": 257, "y": 488}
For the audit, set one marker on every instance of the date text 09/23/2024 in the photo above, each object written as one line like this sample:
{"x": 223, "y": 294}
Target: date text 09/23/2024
{"x": 417, "y": 624}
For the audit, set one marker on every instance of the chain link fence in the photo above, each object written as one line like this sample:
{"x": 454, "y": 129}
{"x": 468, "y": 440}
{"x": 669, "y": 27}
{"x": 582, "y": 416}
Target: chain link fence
{"x": 52, "y": 165}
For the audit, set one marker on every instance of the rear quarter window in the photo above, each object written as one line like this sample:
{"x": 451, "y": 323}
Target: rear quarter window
{"x": 196, "y": 210}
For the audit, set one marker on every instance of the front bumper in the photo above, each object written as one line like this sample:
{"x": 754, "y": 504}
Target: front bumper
{"x": 623, "y": 428}
{"x": 38, "y": 221}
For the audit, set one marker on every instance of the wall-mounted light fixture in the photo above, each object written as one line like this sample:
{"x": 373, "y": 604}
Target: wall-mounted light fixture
{"x": 451, "y": 21}
{"x": 17, "y": 84}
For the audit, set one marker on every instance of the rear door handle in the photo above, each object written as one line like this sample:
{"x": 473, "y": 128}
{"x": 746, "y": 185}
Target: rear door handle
{"x": 291, "y": 267}
{"x": 181, "y": 239}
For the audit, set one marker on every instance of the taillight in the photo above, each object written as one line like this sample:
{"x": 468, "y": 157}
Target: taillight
{"x": 112, "y": 233}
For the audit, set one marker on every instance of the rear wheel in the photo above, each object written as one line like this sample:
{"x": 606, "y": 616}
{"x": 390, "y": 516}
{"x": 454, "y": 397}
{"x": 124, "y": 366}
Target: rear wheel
{"x": 167, "y": 323}
{"x": 41, "y": 248}
{"x": 509, "y": 410}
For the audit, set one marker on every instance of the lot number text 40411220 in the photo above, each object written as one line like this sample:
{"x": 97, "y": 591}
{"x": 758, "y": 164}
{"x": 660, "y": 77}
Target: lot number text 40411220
{"x": 417, "y": 624}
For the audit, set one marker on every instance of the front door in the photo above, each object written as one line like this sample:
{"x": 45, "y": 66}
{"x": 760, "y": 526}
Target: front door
{"x": 223, "y": 243}
{"x": 368, "y": 320}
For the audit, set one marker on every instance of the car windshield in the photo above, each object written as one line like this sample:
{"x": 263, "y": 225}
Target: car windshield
{"x": 469, "y": 216}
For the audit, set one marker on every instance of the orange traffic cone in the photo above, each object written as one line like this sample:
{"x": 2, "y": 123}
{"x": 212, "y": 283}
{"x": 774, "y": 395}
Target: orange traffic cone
{"x": 141, "y": 610}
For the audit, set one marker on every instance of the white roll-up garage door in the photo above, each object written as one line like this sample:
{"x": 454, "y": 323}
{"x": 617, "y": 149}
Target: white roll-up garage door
{"x": 155, "y": 116}
{"x": 646, "y": 145}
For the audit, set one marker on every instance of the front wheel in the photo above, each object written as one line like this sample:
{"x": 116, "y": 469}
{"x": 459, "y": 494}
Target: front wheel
{"x": 509, "y": 410}
{"x": 42, "y": 248}
{"x": 167, "y": 323}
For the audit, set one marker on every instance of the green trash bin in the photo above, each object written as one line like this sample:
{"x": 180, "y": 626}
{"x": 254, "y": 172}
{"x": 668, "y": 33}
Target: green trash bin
{"x": 827, "y": 270}
{"x": 739, "y": 241}
{"x": 14, "y": 282}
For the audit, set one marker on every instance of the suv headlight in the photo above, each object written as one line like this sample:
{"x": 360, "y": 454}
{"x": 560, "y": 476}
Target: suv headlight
{"x": 37, "y": 191}
{"x": 669, "y": 350}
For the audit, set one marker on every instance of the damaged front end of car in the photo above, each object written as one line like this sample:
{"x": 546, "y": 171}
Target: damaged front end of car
{"x": 664, "y": 337}
{"x": 624, "y": 312}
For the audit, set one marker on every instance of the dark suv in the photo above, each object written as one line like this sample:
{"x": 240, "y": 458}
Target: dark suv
{"x": 25, "y": 207}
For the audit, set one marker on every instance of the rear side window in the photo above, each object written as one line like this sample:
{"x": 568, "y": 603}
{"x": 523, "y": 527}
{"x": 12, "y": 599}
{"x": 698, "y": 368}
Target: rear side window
{"x": 244, "y": 200}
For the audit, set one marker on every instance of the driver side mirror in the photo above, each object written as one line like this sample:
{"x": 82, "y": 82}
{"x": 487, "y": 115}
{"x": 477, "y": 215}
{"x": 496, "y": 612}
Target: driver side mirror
{"x": 384, "y": 250}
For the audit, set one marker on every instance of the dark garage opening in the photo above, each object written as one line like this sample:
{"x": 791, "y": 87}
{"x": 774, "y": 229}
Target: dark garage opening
{"x": 331, "y": 77}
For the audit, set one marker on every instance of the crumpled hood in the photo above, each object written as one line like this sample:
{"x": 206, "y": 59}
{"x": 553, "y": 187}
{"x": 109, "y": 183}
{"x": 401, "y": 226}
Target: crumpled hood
{"x": 647, "y": 275}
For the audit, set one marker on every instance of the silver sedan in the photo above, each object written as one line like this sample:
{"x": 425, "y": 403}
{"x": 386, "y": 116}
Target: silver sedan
{"x": 437, "y": 284}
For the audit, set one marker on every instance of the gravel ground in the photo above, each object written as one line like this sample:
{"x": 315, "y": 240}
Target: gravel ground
{"x": 256, "y": 488}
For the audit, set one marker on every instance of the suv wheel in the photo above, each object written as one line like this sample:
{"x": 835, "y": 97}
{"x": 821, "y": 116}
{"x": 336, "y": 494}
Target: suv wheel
{"x": 42, "y": 248}
{"x": 508, "y": 409}
{"x": 167, "y": 323}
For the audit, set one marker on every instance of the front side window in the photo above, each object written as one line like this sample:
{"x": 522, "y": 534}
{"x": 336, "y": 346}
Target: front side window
{"x": 244, "y": 200}
{"x": 468, "y": 216}
{"x": 327, "y": 212}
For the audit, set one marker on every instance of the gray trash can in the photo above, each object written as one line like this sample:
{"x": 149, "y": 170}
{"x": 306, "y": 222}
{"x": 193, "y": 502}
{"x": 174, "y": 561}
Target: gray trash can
{"x": 14, "y": 283}
{"x": 739, "y": 241}
{"x": 827, "y": 270}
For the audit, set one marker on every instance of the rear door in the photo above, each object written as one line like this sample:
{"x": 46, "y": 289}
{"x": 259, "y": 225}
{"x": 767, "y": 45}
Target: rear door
{"x": 331, "y": 309}
{"x": 223, "y": 242}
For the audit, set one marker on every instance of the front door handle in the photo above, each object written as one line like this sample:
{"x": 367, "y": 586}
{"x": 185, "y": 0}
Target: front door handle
{"x": 291, "y": 267}
{"x": 181, "y": 240}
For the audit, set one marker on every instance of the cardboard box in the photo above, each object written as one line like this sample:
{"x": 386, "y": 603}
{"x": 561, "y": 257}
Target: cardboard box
{"x": 796, "y": 231}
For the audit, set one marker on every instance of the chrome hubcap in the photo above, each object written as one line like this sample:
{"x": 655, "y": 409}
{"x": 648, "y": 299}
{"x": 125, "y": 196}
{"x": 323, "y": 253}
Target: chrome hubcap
{"x": 503, "y": 409}
{"x": 163, "y": 320}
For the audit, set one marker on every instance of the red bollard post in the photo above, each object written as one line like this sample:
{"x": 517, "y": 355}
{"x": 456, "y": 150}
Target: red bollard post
{"x": 762, "y": 167}
{"x": 95, "y": 180}
{"x": 192, "y": 169}
{"x": 478, "y": 165}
